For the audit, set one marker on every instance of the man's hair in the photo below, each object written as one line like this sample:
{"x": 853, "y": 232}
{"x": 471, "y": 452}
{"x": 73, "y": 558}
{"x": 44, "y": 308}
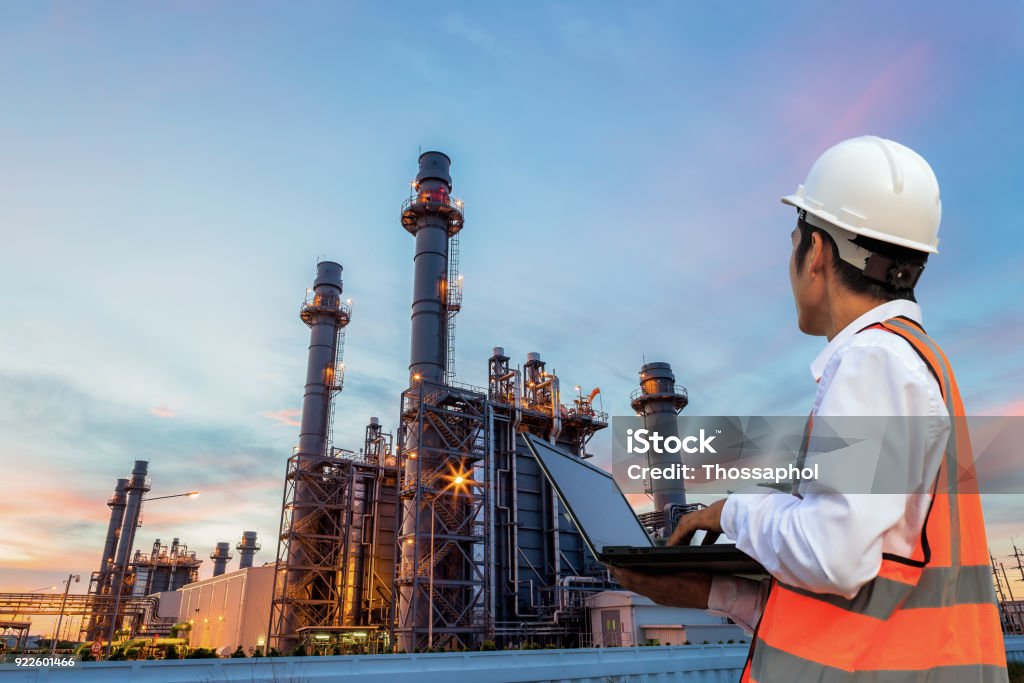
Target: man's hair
{"x": 852, "y": 277}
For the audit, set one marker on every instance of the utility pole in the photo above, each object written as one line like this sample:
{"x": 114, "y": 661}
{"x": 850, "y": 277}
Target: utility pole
{"x": 63, "y": 602}
{"x": 1015, "y": 623}
{"x": 1001, "y": 597}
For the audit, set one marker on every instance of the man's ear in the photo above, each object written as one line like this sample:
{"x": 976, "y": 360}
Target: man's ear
{"x": 818, "y": 257}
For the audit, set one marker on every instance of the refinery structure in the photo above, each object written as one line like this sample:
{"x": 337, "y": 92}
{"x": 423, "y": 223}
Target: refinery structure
{"x": 443, "y": 535}
{"x": 446, "y": 534}
{"x": 440, "y": 536}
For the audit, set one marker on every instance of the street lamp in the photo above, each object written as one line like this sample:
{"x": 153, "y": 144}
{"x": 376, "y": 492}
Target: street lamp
{"x": 120, "y": 580}
{"x": 63, "y": 602}
{"x": 190, "y": 494}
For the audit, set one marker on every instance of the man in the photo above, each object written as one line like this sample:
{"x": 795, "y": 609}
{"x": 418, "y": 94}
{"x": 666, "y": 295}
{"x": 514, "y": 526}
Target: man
{"x": 864, "y": 587}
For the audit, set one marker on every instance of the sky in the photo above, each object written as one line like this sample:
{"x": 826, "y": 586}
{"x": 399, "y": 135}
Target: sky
{"x": 170, "y": 173}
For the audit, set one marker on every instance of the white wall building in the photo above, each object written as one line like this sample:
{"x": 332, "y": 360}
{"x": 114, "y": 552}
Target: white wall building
{"x": 623, "y": 618}
{"x": 229, "y": 610}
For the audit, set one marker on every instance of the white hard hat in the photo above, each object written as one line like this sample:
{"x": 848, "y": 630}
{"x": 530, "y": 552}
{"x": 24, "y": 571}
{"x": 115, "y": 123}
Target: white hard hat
{"x": 874, "y": 187}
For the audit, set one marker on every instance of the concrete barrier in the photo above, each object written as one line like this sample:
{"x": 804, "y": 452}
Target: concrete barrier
{"x": 682, "y": 664}
{"x": 679, "y": 664}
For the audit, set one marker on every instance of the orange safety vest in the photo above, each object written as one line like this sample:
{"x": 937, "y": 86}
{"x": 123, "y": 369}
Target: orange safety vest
{"x": 928, "y": 618}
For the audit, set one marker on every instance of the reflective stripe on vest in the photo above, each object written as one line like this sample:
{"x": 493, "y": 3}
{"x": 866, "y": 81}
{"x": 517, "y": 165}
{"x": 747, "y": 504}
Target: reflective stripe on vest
{"x": 928, "y": 617}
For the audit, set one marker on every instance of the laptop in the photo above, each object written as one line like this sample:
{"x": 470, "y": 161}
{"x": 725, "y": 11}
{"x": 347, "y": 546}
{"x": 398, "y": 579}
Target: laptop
{"x": 610, "y": 528}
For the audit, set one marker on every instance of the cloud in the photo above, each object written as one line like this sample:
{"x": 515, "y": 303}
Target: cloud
{"x": 284, "y": 416}
{"x": 457, "y": 25}
{"x": 67, "y": 468}
{"x": 162, "y": 411}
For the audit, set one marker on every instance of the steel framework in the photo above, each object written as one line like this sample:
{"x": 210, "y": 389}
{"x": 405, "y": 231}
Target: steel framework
{"x": 441, "y": 589}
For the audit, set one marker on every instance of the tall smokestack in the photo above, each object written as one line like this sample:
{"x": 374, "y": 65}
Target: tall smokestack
{"x": 116, "y": 504}
{"x": 135, "y": 487}
{"x": 659, "y": 400}
{"x": 247, "y": 548}
{"x": 431, "y": 216}
{"x": 326, "y": 314}
{"x": 302, "y": 531}
{"x": 221, "y": 555}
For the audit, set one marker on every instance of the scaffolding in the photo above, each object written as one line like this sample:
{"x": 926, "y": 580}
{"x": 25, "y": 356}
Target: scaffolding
{"x": 441, "y": 573}
{"x": 346, "y": 539}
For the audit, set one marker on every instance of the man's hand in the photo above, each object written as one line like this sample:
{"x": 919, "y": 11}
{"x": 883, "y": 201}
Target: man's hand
{"x": 709, "y": 518}
{"x": 687, "y": 589}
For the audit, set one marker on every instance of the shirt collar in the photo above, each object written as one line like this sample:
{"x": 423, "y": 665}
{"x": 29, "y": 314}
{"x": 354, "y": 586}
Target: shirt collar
{"x": 889, "y": 309}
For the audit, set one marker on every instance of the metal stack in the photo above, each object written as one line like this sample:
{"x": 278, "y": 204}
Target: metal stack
{"x": 335, "y": 547}
{"x": 113, "y": 576}
{"x": 247, "y": 549}
{"x": 221, "y": 555}
{"x": 659, "y": 400}
{"x": 455, "y": 537}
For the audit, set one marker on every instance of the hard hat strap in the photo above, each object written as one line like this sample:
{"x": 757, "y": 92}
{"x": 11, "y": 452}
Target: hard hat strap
{"x": 898, "y": 274}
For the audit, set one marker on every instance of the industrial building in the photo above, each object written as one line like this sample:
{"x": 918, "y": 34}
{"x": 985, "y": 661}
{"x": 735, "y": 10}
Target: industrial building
{"x": 448, "y": 535}
{"x": 623, "y": 618}
{"x": 443, "y": 535}
{"x": 228, "y": 610}
{"x": 136, "y": 592}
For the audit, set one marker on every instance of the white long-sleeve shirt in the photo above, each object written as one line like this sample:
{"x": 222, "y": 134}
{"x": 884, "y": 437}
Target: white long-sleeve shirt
{"x": 833, "y": 543}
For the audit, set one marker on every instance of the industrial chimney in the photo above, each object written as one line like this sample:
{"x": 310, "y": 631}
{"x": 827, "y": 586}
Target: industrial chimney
{"x": 326, "y": 314}
{"x": 659, "y": 400}
{"x": 247, "y": 548}
{"x": 116, "y": 504}
{"x": 125, "y": 507}
{"x": 221, "y": 555}
{"x": 136, "y": 486}
{"x": 431, "y": 216}
{"x": 299, "y": 561}
{"x": 434, "y": 219}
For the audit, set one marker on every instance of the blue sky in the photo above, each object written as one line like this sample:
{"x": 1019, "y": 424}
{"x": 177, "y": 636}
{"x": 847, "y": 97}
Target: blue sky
{"x": 170, "y": 173}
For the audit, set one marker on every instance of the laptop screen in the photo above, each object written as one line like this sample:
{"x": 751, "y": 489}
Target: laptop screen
{"x": 592, "y": 498}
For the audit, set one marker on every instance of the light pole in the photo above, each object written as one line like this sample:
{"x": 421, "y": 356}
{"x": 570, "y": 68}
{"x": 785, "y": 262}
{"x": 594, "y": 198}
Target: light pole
{"x": 63, "y": 602}
{"x": 124, "y": 566}
{"x": 190, "y": 494}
